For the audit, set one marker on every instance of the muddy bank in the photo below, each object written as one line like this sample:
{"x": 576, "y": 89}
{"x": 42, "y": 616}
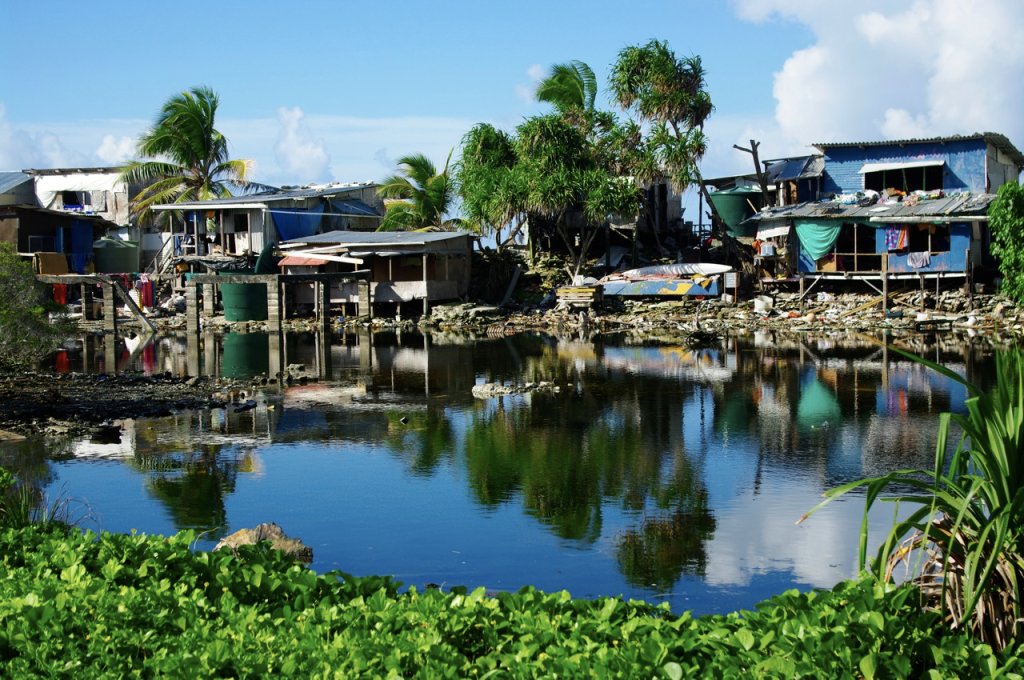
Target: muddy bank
{"x": 70, "y": 404}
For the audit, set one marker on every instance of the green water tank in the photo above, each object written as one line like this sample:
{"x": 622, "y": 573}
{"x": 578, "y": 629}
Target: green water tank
{"x": 243, "y": 301}
{"x": 114, "y": 256}
{"x": 736, "y": 205}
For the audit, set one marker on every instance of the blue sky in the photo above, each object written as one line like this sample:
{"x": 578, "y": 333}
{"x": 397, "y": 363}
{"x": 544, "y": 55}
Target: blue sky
{"x": 335, "y": 91}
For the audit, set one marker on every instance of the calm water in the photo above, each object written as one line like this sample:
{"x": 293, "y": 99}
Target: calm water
{"x": 661, "y": 473}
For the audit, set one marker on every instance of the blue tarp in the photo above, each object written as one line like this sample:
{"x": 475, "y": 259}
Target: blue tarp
{"x": 81, "y": 246}
{"x": 296, "y": 223}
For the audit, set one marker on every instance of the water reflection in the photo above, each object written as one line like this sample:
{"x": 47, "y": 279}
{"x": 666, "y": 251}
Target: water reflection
{"x": 670, "y": 472}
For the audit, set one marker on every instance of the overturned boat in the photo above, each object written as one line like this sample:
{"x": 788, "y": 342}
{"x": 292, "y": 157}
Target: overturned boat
{"x": 687, "y": 279}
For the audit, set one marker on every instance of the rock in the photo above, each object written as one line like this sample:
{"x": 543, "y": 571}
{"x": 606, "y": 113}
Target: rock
{"x": 268, "y": 531}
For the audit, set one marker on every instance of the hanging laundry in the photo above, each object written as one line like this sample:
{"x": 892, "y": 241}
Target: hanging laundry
{"x": 896, "y": 237}
{"x": 145, "y": 289}
{"x": 60, "y": 293}
{"x": 919, "y": 260}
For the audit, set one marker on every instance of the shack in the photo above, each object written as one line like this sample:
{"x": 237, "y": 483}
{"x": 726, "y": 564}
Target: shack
{"x": 245, "y": 225}
{"x": 405, "y": 271}
{"x": 905, "y": 209}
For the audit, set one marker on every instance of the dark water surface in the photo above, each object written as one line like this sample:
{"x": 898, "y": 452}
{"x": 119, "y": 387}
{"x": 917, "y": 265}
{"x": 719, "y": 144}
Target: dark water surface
{"x": 654, "y": 472}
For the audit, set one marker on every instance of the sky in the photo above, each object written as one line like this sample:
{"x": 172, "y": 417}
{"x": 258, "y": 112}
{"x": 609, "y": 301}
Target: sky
{"x": 317, "y": 91}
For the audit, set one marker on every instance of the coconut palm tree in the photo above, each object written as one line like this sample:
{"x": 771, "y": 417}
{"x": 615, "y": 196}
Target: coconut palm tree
{"x": 419, "y": 196}
{"x": 186, "y": 157}
{"x": 569, "y": 87}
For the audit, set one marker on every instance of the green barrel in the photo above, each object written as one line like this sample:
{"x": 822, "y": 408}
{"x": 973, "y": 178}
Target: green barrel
{"x": 243, "y": 301}
{"x": 734, "y": 206}
{"x": 244, "y": 355}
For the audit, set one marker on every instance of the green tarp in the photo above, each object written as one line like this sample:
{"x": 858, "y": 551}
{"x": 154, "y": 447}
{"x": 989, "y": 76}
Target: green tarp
{"x": 817, "y": 238}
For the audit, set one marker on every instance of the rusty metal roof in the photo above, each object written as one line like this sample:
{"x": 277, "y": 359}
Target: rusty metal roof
{"x": 964, "y": 205}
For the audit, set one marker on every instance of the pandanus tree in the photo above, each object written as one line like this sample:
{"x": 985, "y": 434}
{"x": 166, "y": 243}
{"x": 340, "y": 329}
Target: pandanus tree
{"x": 184, "y": 156}
{"x": 668, "y": 95}
{"x": 419, "y": 197}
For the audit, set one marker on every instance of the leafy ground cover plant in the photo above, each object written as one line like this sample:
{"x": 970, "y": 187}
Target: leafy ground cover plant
{"x": 116, "y": 605}
{"x": 961, "y": 544}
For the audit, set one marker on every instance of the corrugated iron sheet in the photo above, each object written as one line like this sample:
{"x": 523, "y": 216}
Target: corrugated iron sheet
{"x": 9, "y": 180}
{"x": 962, "y": 204}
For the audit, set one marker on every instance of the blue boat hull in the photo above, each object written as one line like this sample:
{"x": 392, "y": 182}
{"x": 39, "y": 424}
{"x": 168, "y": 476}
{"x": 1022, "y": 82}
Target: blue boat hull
{"x": 695, "y": 287}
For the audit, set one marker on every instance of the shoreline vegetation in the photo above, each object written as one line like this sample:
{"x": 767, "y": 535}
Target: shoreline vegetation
{"x": 123, "y": 604}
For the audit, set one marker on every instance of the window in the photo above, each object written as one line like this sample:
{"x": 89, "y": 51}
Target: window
{"x": 905, "y": 179}
{"x": 855, "y": 249}
{"x": 41, "y": 244}
{"x": 931, "y": 238}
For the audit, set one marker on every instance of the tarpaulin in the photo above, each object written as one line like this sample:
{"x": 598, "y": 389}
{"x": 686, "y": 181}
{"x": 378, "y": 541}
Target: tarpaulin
{"x": 295, "y": 223}
{"x": 817, "y": 238}
{"x": 81, "y": 246}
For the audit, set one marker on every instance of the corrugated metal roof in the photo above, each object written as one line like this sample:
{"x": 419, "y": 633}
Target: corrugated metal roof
{"x": 791, "y": 169}
{"x": 354, "y": 207}
{"x": 9, "y": 180}
{"x": 964, "y": 205}
{"x": 365, "y": 239}
{"x": 997, "y": 140}
{"x": 320, "y": 191}
{"x": 297, "y": 261}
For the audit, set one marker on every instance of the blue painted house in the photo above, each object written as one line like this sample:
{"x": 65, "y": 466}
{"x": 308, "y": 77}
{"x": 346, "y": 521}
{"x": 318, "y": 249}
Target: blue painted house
{"x": 914, "y": 208}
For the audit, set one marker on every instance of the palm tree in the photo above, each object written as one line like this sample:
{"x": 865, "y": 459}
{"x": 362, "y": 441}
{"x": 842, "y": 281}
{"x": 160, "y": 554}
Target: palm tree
{"x": 420, "y": 196}
{"x": 569, "y": 87}
{"x": 187, "y": 157}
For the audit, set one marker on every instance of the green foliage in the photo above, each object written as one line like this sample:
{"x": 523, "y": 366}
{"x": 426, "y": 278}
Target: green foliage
{"x": 568, "y": 87}
{"x": 119, "y": 605}
{"x": 21, "y": 505}
{"x": 26, "y": 332}
{"x": 189, "y": 158}
{"x": 1006, "y": 220}
{"x": 962, "y": 540}
{"x": 669, "y": 94}
{"x": 423, "y": 196}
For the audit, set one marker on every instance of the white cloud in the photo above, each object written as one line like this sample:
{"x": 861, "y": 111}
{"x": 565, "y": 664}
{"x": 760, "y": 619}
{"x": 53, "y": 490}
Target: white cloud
{"x": 359, "y": 149}
{"x": 899, "y": 68}
{"x": 115, "y": 150}
{"x": 526, "y": 91}
{"x": 65, "y": 144}
{"x": 21, "y": 148}
{"x": 296, "y": 151}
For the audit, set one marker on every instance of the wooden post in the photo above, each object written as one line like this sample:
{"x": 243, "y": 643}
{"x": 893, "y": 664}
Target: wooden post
{"x": 209, "y": 298}
{"x": 87, "y": 302}
{"x": 109, "y": 309}
{"x": 274, "y": 304}
{"x": 426, "y": 290}
{"x": 885, "y": 282}
{"x": 800, "y": 277}
{"x": 323, "y": 303}
{"x": 921, "y": 277}
{"x": 885, "y": 292}
{"x": 192, "y": 308}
